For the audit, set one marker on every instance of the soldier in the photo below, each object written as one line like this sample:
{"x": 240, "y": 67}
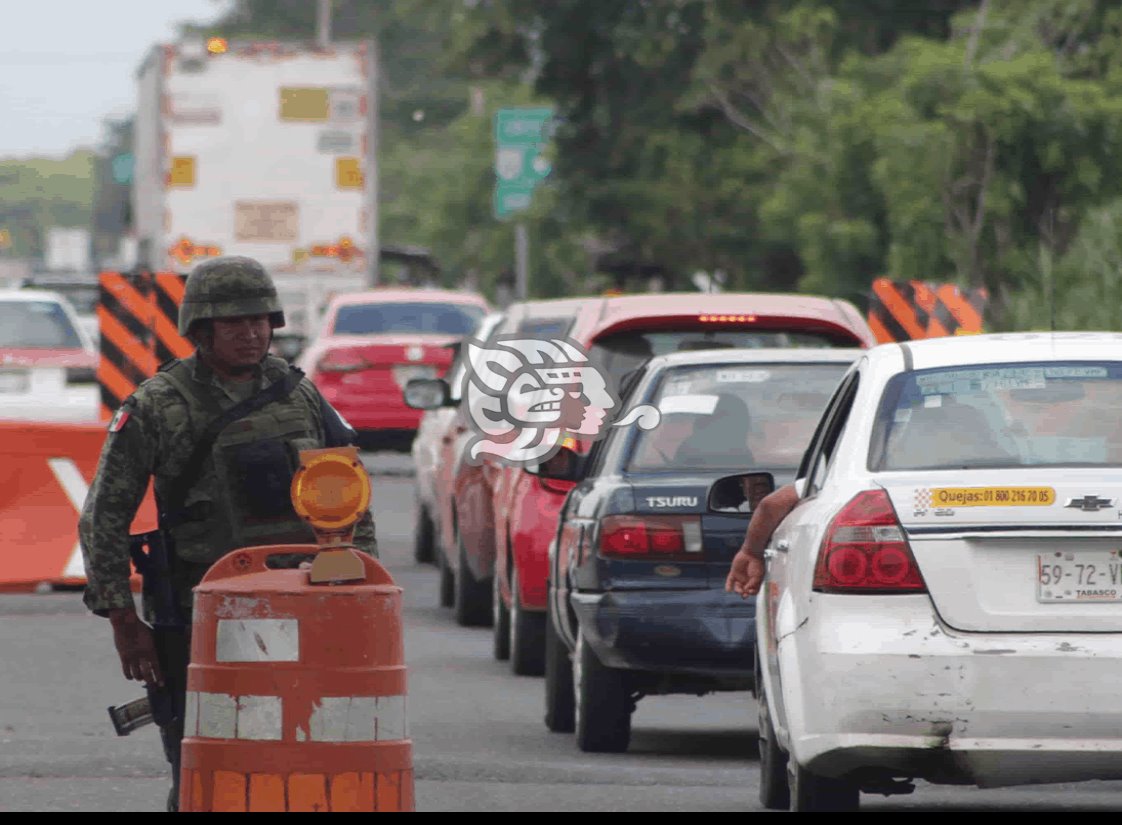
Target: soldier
{"x": 219, "y": 432}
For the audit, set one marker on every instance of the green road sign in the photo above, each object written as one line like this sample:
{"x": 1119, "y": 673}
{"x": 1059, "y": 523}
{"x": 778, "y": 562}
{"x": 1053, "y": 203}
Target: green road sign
{"x": 122, "y": 168}
{"x": 520, "y": 137}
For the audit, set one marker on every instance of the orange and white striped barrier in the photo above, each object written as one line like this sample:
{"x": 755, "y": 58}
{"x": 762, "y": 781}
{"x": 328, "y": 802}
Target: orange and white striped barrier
{"x": 912, "y": 310}
{"x": 295, "y": 691}
{"x": 45, "y": 473}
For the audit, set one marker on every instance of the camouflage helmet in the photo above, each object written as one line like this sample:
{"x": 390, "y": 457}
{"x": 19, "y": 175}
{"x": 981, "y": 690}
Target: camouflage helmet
{"x": 226, "y": 288}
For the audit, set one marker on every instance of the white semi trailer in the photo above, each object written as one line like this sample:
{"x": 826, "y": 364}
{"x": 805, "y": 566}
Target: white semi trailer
{"x": 260, "y": 149}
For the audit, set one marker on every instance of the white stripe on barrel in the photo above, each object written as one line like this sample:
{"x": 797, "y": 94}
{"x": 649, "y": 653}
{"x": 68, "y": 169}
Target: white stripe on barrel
{"x": 258, "y": 640}
{"x": 260, "y": 718}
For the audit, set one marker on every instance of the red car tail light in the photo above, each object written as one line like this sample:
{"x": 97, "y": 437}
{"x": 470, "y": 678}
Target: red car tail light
{"x": 342, "y": 360}
{"x": 643, "y": 536}
{"x": 865, "y": 550}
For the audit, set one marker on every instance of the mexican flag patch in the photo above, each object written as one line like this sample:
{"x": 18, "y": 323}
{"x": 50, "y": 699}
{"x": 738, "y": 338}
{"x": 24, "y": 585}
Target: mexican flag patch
{"x": 120, "y": 418}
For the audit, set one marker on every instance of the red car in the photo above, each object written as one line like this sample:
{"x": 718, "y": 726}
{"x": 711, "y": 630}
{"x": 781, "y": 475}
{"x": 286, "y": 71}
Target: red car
{"x": 372, "y": 343}
{"x": 620, "y": 333}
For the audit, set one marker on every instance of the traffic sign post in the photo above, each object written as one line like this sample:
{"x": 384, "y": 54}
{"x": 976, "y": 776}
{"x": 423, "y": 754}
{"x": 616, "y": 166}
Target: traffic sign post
{"x": 520, "y": 137}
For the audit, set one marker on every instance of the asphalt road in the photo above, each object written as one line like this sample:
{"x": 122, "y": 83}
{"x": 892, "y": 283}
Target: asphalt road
{"x": 478, "y": 737}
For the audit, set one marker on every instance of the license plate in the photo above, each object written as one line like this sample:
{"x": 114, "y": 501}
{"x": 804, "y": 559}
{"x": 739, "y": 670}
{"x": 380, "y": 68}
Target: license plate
{"x": 1084, "y": 576}
{"x": 14, "y": 381}
{"x": 404, "y": 373}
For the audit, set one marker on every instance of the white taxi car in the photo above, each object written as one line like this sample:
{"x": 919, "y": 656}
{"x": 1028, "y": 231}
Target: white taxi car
{"x": 48, "y": 363}
{"x": 945, "y": 601}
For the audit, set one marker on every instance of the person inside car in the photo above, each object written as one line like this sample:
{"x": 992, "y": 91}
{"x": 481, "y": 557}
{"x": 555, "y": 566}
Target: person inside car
{"x": 720, "y": 439}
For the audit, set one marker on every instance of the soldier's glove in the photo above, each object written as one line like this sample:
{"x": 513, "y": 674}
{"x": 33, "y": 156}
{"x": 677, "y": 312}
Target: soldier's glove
{"x": 136, "y": 647}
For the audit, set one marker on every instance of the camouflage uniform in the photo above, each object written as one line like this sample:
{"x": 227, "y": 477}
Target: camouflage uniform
{"x": 156, "y": 441}
{"x": 241, "y": 495}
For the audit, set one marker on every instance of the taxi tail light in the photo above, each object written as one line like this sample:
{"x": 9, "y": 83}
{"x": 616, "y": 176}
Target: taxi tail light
{"x": 865, "y": 550}
{"x": 637, "y": 537}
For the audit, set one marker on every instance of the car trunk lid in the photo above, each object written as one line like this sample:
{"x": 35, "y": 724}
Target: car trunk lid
{"x": 1017, "y": 550}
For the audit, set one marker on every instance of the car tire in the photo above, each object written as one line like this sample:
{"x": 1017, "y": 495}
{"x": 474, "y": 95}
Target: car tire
{"x": 811, "y": 792}
{"x": 447, "y": 579}
{"x": 527, "y": 633}
{"x": 775, "y": 793}
{"x": 472, "y": 599}
{"x": 423, "y": 536}
{"x": 500, "y": 621}
{"x": 603, "y": 703}
{"x": 560, "y": 702}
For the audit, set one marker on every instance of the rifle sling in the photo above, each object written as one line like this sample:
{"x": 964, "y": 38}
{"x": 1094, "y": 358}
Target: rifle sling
{"x": 174, "y": 513}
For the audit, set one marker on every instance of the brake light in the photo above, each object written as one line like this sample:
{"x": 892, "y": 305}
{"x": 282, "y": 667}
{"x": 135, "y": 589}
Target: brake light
{"x": 643, "y": 536}
{"x": 342, "y": 361}
{"x": 726, "y": 319}
{"x": 865, "y": 550}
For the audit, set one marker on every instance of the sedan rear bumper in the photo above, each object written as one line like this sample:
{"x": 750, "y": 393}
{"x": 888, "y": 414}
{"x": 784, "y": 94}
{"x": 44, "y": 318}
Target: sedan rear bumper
{"x": 700, "y": 632}
{"x": 878, "y": 682}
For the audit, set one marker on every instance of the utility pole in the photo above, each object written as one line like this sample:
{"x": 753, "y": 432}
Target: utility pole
{"x": 323, "y": 23}
{"x": 521, "y": 262}
{"x": 373, "y": 236}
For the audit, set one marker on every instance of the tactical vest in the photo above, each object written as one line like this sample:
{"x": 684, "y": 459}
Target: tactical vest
{"x": 242, "y": 496}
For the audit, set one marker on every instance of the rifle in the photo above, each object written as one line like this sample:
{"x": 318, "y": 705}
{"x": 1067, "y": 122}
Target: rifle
{"x": 155, "y": 570}
{"x": 159, "y": 705}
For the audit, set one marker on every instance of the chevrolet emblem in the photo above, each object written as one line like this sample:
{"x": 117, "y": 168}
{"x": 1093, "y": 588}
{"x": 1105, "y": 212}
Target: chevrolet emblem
{"x": 1089, "y": 504}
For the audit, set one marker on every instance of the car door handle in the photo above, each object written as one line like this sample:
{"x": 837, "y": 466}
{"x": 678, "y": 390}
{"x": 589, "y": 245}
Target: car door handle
{"x": 781, "y": 546}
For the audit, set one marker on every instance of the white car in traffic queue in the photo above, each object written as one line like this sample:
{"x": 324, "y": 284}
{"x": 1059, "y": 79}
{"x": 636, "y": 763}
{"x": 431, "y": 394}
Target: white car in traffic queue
{"x": 945, "y": 601}
{"x": 48, "y": 362}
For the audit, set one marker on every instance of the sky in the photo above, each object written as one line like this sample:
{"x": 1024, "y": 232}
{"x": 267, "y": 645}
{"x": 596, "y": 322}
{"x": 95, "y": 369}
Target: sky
{"x": 67, "y": 64}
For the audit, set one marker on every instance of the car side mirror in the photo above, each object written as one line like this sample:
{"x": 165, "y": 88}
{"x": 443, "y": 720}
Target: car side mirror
{"x": 427, "y": 394}
{"x": 741, "y": 493}
{"x": 564, "y": 465}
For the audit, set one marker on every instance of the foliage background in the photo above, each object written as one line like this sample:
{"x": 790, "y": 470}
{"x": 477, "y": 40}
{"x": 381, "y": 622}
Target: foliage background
{"x": 795, "y": 145}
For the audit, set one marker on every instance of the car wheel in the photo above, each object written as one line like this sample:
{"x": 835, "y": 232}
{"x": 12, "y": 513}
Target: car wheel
{"x": 472, "y": 602}
{"x": 423, "y": 536}
{"x": 811, "y": 792}
{"x": 775, "y": 793}
{"x": 500, "y": 621}
{"x": 527, "y": 633}
{"x": 447, "y": 579}
{"x": 603, "y": 703}
{"x": 560, "y": 703}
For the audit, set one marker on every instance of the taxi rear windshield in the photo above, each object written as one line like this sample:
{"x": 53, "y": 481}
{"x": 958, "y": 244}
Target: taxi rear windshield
{"x": 621, "y": 352}
{"x": 1000, "y": 415}
{"x": 374, "y": 319}
{"x": 36, "y": 325}
{"x": 734, "y": 416}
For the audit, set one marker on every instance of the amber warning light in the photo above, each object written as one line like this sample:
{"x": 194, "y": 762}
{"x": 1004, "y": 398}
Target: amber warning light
{"x": 331, "y": 492}
{"x": 217, "y": 45}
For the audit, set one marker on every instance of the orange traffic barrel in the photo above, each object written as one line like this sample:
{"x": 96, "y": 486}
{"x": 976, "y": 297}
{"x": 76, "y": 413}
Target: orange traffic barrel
{"x": 295, "y": 691}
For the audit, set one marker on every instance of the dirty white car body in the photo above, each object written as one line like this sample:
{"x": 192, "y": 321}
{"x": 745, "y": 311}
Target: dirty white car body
{"x": 999, "y": 665}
